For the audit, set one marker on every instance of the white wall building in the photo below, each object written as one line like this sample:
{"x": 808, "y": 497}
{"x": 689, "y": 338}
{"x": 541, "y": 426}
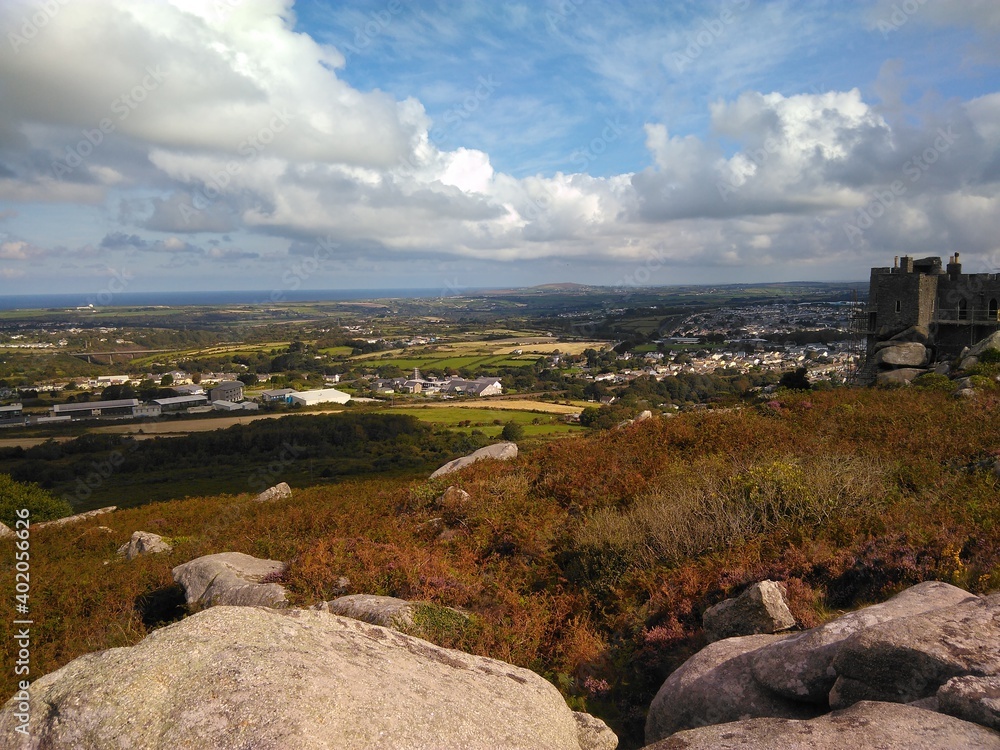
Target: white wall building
{"x": 320, "y": 396}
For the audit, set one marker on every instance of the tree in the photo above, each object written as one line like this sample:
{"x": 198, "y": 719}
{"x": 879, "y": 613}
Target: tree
{"x": 41, "y": 504}
{"x": 796, "y": 381}
{"x": 512, "y": 431}
{"x": 167, "y": 380}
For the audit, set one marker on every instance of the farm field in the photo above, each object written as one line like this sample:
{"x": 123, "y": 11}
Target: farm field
{"x": 484, "y": 420}
{"x": 513, "y": 352}
{"x": 506, "y": 404}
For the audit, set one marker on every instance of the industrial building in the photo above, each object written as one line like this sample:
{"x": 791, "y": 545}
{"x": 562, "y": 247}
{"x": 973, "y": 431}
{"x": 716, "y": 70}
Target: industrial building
{"x": 179, "y": 403}
{"x": 320, "y": 396}
{"x": 86, "y": 409}
{"x": 232, "y": 406}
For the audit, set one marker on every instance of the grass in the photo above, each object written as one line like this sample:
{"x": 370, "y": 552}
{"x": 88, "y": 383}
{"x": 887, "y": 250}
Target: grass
{"x": 589, "y": 559}
{"x": 485, "y": 420}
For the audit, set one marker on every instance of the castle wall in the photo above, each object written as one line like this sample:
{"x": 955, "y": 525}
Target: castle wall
{"x": 956, "y": 309}
{"x": 956, "y": 328}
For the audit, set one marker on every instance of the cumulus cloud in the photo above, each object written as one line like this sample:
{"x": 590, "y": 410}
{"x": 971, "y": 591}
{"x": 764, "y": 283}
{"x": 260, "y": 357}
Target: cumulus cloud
{"x": 209, "y": 122}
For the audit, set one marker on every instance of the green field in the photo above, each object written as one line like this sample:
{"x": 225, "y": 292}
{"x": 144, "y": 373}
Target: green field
{"x": 485, "y": 419}
{"x": 447, "y": 359}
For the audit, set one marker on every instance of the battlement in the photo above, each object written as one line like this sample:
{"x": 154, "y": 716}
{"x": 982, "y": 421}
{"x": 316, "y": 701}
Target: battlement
{"x": 941, "y": 306}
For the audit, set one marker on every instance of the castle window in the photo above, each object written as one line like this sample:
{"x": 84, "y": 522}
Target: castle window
{"x": 871, "y": 321}
{"x": 963, "y": 310}
{"x": 993, "y": 309}
{"x": 898, "y": 305}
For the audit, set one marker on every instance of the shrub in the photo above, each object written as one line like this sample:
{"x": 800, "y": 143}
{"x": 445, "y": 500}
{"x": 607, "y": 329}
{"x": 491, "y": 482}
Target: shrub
{"x": 934, "y": 380}
{"x": 43, "y": 505}
{"x": 990, "y": 357}
{"x": 512, "y": 431}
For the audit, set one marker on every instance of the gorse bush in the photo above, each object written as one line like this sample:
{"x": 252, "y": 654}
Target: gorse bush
{"x": 42, "y": 505}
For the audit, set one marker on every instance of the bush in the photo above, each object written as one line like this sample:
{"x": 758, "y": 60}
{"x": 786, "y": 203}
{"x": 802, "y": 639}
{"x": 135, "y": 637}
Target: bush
{"x": 512, "y": 431}
{"x": 934, "y": 381}
{"x": 43, "y": 505}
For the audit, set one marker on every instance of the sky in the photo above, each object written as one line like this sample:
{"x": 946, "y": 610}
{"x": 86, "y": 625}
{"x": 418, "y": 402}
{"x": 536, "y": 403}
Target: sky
{"x": 157, "y": 145}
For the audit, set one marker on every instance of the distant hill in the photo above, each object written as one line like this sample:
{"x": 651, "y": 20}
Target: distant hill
{"x": 566, "y": 286}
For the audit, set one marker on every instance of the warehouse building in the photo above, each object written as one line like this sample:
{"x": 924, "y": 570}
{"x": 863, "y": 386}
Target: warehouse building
{"x": 87, "y": 409}
{"x": 320, "y": 396}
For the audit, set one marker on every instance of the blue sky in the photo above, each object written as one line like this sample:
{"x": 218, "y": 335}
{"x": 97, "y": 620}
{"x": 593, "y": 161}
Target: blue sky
{"x": 154, "y": 145}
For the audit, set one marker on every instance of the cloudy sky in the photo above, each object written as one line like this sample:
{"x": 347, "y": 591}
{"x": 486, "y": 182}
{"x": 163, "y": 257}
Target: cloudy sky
{"x": 451, "y": 144}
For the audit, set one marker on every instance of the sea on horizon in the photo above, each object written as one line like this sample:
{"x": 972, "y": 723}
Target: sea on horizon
{"x": 144, "y": 299}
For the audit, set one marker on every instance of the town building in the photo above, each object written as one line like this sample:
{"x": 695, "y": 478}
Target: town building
{"x": 180, "y": 403}
{"x": 276, "y": 395}
{"x": 228, "y": 390}
{"x": 87, "y": 409}
{"x": 233, "y": 406}
{"x": 11, "y": 411}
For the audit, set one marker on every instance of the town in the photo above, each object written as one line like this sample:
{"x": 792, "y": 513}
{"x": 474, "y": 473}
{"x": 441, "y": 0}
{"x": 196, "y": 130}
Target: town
{"x": 130, "y": 372}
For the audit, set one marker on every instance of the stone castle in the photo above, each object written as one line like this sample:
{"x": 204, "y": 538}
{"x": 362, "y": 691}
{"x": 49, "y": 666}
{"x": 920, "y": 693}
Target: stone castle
{"x": 918, "y": 301}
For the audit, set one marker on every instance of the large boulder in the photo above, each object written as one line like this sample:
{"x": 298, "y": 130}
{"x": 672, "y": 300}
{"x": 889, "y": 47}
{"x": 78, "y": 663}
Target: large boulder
{"x": 990, "y": 342}
{"x": 498, "y": 451}
{"x": 278, "y": 492}
{"x": 904, "y": 354}
{"x": 902, "y": 376}
{"x": 233, "y": 678}
{"x": 801, "y": 666}
{"x": 6, "y": 532}
{"x": 715, "y": 686}
{"x": 143, "y": 543}
{"x": 387, "y": 611}
{"x": 918, "y": 333}
{"x": 863, "y": 726}
{"x": 231, "y": 578}
{"x": 594, "y": 734}
{"x": 909, "y": 658}
{"x": 73, "y": 519}
{"x": 760, "y": 609}
{"x": 975, "y": 699}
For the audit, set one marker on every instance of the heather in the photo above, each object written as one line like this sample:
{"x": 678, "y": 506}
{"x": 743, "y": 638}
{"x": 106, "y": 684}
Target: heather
{"x": 588, "y": 559}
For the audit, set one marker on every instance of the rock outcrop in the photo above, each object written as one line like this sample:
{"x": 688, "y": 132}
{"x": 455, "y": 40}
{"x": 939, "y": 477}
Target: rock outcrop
{"x": 73, "y": 519}
{"x": 716, "y": 686}
{"x": 232, "y": 678}
{"x": 143, "y": 543}
{"x": 900, "y": 376}
{"x": 863, "y": 726}
{"x": 909, "y": 658}
{"x": 387, "y": 611}
{"x": 453, "y": 496}
{"x": 761, "y": 609}
{"x": 497, "y": 451}
{"x": 801, "y": 666}
{"x": 594, "y": 734}
{"x": 969, "y": 357}
{"x": 975, "y": 699}
{"x": 231, "y": 578}
{"x": 933, "y": 647}
{"x": 6, "y": 532}
{"x": 902, "y": 354}
{"x": 278, "y": 492}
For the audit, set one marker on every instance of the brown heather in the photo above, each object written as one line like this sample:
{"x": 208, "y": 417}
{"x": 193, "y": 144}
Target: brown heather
{"x": 588, "y": 559}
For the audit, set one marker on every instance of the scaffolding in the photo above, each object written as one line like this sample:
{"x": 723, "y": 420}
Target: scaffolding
{"x": 856, "y": 342}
